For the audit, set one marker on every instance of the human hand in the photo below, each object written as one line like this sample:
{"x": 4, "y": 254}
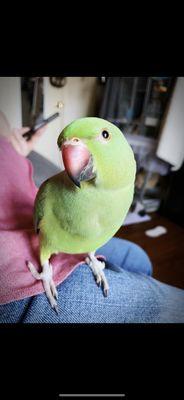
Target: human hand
{"x": 20, "y": 144}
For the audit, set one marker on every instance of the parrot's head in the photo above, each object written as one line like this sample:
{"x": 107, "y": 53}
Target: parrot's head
{"x": 95, "y": 150}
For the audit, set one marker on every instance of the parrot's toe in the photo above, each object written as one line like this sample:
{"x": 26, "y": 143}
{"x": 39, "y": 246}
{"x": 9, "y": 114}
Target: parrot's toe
{"x": 51, "y": 297}
{"x": 106, "y": 292}
{"x": 53, "y": 289}
{"x": 97, "y": 269}
{"x": 48, "y": 283}
{"x": 98, "y": 280}
{"x": 51, "y": 292}
{"x": 33, "y": 270}
{"x": 56, "y": 295}
{"x": 102, "y": 282}
{"x": 105, "y": 286}
{"x": 56, "y": 309}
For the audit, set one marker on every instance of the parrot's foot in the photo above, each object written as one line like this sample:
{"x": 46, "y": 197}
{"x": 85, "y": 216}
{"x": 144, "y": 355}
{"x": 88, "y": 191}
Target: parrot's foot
{"x": 48, "y": 283}
{"x": 97, "y": 269}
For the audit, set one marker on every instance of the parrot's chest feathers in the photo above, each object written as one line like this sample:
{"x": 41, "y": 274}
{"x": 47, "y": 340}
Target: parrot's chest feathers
{"x": 91, "y": 212}
{"x": 78, "y": 220}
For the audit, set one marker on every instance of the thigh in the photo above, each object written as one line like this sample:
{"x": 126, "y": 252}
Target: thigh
{"x": 127, "y": 255}
{"x": 133, "y": 298}
{"x": 15, "y": 311}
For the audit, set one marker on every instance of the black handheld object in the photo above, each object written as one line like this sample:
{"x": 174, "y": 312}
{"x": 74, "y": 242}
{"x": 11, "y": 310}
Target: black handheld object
{"x": 35, "y": 128}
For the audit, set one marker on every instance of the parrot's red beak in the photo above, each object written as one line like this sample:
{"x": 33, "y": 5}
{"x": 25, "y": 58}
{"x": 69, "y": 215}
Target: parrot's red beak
{"x": 77, "y": 161}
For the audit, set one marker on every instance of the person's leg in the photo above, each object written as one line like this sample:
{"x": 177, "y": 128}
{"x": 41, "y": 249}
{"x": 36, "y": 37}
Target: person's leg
{"x": 133, "y": 297}
{"x": 126, "y": 255}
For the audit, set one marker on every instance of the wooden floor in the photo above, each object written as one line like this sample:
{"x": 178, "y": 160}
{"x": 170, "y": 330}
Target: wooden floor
{"x": 166, "y": 252}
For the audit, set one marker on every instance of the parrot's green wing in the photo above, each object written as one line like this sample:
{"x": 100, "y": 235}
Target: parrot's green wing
{"x": 39, "y": 205}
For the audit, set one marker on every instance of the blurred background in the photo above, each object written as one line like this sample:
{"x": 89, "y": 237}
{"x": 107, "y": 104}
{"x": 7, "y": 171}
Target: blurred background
{"x": 150, "y": 113}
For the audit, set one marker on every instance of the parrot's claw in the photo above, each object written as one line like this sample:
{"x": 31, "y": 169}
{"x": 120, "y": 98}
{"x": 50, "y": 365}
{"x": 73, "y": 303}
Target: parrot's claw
{"x": 51, "y": 291}
{"x": 55, "y": 308}
{"x": 48, "y": 283}
{"x": 97, "y": 269}
{"x": 98, "y": 280}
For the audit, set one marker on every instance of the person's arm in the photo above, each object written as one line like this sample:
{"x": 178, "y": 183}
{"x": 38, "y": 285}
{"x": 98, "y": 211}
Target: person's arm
{"x": 20, "y": 144}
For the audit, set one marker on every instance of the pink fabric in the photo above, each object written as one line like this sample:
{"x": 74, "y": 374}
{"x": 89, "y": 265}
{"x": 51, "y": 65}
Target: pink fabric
{"x": 18, "y": 242}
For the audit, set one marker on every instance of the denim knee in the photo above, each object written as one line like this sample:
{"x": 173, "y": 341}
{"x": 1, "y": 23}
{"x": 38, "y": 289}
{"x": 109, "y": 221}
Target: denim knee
{"x": 137, "y": 260}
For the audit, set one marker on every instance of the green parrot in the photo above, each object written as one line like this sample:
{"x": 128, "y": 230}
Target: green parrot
{"x": 82, "y": 207}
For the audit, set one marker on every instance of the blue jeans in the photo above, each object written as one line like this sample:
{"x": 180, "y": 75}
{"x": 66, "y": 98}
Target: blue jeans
{"x": 134, "y": 296}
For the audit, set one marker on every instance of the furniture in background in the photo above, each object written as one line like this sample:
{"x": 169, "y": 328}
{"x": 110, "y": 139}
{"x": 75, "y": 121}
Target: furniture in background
{"x": 144, "y": 108}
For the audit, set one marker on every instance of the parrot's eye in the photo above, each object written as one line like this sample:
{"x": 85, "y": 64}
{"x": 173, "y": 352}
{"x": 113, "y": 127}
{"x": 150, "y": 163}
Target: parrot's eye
{"x": 106, "y": 135}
